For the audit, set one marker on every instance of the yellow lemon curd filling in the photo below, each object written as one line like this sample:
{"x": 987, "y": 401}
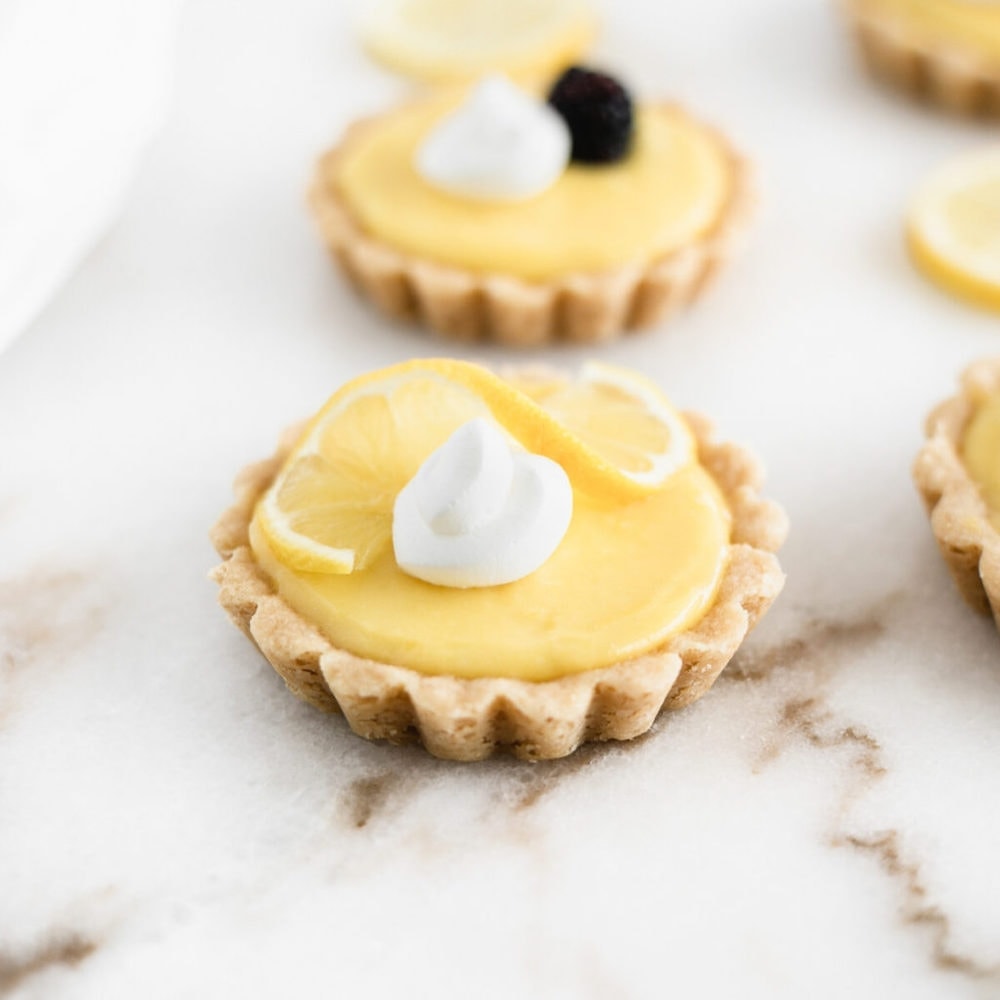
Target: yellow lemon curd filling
{"x": 622, "y": 581}
{"x": 981, "y": 453}
{"x": 627, "y": 576}
{"x": 671, "y": 188}
{"x": 974, "y": 26}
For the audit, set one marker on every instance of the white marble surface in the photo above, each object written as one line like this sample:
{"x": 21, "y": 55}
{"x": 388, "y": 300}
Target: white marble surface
{"x": 172, "y": 823}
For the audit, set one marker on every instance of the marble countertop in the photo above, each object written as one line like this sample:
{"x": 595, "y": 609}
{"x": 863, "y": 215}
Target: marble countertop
{"x": 172, "y": 823}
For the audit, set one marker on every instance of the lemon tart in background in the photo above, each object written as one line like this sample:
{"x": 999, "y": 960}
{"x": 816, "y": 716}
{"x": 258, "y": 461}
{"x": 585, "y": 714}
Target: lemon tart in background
{"x": 946, "y": 52}
{"x": 957, "y": 473}
{"x": 493, "y": 214}
{"x": 483, "y": 563}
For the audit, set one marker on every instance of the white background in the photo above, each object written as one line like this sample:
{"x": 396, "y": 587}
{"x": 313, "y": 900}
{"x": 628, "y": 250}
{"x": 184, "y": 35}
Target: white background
{"x": 173, "y": 823}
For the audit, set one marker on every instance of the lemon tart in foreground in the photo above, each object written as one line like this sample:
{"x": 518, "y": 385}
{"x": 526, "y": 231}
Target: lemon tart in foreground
{"x": 491, "y": 214}
{"x": 481, "y": 563}
{"x": 946, "y": 52}
{"x": 958, "y": 475}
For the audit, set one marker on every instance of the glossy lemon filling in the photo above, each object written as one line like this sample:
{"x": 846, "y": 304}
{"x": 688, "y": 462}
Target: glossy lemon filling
{"x": 963, "y": 23}
{"x": 981, "y": 453}
{"x": 624, "y": 579}
{"x": 671, "y": 188}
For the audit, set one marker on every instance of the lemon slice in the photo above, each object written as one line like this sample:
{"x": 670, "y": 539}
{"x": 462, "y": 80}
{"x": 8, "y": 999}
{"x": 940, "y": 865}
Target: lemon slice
{"x": 625, "y": 419}
{"x": 452, "y": 40}
{"x": 953, "y": 229}
{"x": 330, "y": 508}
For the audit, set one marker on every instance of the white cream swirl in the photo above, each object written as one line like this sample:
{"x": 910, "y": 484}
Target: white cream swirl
{"x": 500, "y": 145}
{"x": 479, "y": 513}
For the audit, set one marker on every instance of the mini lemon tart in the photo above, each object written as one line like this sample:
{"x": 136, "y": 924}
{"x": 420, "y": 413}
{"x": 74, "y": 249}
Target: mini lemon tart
{"x": 483, "y": 563}
{"x": 958, "y": 475}
{"x": 944, "y": 51}
{"x": 458, "y": 212}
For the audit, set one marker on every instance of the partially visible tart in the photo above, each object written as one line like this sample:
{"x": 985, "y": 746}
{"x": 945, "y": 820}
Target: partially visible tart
{"x": 608, "y": 247}
{"x": 667, "y": 562}
{"x": 958, "y": 475}
{"x": 946, "y": 52}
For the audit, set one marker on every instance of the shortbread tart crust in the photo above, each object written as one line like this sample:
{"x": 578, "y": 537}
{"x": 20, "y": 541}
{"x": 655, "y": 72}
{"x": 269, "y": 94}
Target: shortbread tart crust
{"x": 465, "y": 305}
{"x": 959, "y": 517}
{"x": 939, "y": 73}
{"x": 469, "y": 719}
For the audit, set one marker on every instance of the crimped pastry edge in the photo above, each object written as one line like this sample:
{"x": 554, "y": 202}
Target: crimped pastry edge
{"x": 469, "y": 719}
{"x": 581, "y": 307}
{"x": 937, "y": 73}
{"x": 958, "y": 514}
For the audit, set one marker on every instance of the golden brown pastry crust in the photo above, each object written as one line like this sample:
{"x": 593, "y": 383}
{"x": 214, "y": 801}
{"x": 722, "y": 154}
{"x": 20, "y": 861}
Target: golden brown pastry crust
{"x": 469, "y": 719}
{"x": 585, "y": 307}
{"x": 937, "y": 72}
{"x": 959, "y": 516}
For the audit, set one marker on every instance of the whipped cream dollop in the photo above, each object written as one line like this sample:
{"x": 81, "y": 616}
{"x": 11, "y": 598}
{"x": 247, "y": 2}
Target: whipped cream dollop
{"x": 479, "y": 513}
{"x": 500, "y": 145}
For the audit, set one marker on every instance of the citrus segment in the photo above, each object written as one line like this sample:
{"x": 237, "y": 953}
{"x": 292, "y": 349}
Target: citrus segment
{"x": 626, "y": 420}
{"x": 953, "y": 228}
{"x": 450, "y": 40}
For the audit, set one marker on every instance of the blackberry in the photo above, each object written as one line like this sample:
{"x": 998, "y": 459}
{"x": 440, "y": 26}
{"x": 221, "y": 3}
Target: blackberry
{"x": 598, "y": 111}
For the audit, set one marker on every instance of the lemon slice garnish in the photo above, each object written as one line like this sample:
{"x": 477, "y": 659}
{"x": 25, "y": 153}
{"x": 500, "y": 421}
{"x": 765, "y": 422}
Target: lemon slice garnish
{"x": 453, "y": 40}
{"x": 625, "y": 419}
{"x": 953, "y": 227}
{"x": 330, "y": 508}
